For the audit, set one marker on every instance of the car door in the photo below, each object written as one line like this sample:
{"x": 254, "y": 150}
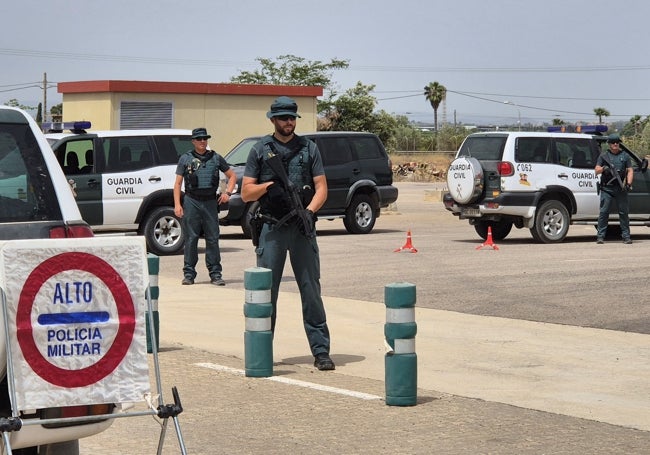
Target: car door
{"x": 84, "y": 175}
{"x": 577, "y": 157}
{"x": 340, "y": 170}
{"x": 639, "y": 196}
{"x": 129, "y": 176}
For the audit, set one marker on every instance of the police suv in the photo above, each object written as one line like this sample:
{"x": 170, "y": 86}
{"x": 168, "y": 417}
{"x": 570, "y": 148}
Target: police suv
{"x": 123, "y": 180}
{"x": 542, "y": 181}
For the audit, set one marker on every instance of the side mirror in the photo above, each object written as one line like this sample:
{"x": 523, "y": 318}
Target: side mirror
{"x": 644, "y": 164}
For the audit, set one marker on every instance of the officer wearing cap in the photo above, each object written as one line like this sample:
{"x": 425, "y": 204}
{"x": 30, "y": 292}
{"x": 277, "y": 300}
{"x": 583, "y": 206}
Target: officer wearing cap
{"x": 282, "y": 229}
{"x": 616, "y": 174}
{"x": 198, "y": 170}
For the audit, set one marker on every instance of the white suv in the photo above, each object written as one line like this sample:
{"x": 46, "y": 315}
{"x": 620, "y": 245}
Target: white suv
{"x": 540, "y": 181}
{"x": 36, "y": 202}
{"x": 123, "y": 180}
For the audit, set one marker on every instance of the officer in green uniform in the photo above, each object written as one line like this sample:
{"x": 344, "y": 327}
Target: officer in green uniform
{"x": 198, "y": 170}
{"x": 282, "y": 231}
{"x": 615, "y": 168}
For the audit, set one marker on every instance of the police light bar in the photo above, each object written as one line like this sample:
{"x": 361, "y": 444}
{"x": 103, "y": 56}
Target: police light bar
{"x": 78, "y": 127}
{"x": 587, "y": 129}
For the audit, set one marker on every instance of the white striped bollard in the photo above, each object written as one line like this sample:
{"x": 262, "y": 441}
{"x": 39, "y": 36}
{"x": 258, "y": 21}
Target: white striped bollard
{"x": 153, "y": 264}
{"x": 258, "y": 338}
{"x": 401, "y": 375}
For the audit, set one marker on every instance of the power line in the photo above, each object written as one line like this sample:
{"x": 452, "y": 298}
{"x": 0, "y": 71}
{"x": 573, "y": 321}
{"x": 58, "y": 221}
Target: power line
{"x": 18, "y": 85}
{"x": 118, "y": 58}
{"x": 401, "y": 69}
{"x": 475, "y": 95}
{"x": 505, "y": 95}
{"x": 21, "y": 88}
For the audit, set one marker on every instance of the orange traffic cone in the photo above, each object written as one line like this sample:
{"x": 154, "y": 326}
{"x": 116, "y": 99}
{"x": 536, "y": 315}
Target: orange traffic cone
{"x": 489, "y": 241}
{"x": 408, "y": 246}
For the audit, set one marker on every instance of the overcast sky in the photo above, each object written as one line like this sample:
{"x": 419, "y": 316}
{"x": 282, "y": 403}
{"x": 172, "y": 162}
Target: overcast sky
{"x": 547, "y": 58}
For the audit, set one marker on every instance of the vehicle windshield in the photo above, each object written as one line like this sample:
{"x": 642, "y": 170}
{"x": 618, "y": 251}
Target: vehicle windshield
{"x": 26, "y": 191}
{"x": 239, "y": 155}
{"x": 483, "y": 148}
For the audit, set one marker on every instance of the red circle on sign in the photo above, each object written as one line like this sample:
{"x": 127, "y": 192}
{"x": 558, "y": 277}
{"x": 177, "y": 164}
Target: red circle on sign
{"x": 125, "y": 309}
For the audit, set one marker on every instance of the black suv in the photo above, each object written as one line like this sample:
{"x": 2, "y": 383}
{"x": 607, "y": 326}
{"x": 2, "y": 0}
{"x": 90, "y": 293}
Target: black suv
{"x": 359, "y": 180}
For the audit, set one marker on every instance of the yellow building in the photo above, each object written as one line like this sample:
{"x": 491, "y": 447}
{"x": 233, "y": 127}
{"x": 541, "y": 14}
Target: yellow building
{"x": 230, "y": 112}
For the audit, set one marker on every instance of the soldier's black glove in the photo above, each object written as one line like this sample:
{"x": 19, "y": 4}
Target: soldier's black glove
{"x": 628, "y": 187}
{"x": 309, "y": 227}
{"x": 278, "y": 200}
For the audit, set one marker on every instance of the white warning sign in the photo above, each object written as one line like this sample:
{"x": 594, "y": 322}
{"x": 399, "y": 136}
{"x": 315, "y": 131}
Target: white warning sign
{"x": 76, "y": 318}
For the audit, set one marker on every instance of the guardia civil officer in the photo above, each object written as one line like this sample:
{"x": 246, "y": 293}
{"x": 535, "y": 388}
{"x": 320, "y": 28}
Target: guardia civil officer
{"x": 285, "y": 227}
{"x": 199, "y": 170}
{"x": 615, "y": 169}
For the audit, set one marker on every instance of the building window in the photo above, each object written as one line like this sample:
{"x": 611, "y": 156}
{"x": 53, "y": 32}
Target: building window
{"x": 142, "y": 115}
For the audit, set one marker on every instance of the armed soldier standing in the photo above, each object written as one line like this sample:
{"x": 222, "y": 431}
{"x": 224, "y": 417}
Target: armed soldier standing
{"x": 199, "y": 170}
{"x": 289, "y": 196}
{"x": 616, "y": 177}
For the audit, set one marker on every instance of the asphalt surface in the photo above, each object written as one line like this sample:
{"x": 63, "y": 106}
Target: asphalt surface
{"x": 527, "y": 349}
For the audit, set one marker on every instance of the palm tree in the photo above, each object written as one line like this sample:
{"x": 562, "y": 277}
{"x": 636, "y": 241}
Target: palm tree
{"x": 636, "y": 121}
{"x": 600, "y": 113}
{"x": 435, "y": 93}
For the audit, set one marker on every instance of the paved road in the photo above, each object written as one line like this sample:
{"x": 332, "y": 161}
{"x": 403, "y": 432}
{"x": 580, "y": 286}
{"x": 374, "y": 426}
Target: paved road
{"x": 575, "y": 282}
{"x": 520, "y": 350}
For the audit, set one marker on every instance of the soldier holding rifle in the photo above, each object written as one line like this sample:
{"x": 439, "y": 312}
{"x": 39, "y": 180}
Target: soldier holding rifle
{"x": 616, "y": 174}
{"x": 285, "y": 173}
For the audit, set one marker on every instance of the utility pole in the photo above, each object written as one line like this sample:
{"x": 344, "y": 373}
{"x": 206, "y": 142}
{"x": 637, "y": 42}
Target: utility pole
{"x": 44, "y": 97}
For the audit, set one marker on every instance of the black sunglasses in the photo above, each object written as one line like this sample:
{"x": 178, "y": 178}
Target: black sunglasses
{"x": 285, "y": 118}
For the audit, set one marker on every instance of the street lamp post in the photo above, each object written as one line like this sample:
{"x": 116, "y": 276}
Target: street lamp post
{"x": 518, "y": 112}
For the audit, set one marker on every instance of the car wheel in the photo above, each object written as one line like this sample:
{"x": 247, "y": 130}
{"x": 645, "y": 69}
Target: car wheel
{"x": 249, "y": 213}
{"x": 500, "y": 229}
{"x": 551, "y": 222}
{"x": 361, "y": 214}
{"x": 163, "y": 231}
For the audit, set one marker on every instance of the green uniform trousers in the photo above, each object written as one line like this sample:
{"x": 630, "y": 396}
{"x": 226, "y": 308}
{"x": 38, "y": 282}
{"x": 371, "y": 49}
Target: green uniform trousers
{"x": 305, "y": 262}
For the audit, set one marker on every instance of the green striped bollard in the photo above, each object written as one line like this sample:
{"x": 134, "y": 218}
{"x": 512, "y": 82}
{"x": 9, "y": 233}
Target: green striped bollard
{"x": 400, "y": 329}
{"x": 153, "y": 263}
{"x": 258, "y": 338}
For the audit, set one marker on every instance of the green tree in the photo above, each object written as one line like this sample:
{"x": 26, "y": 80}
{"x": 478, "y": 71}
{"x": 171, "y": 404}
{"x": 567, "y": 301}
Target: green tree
{"x": 450, "y": 137}
{"x": 39, "y": 114}
{"x": 644, "y": 143}
{"x": 558, "y": 121}
{"x": 600, "y": 113}
{"x": 435, "y": 93}
{"x": 57, "y": 112}
{"x": 292, "y": 70}
{"x": 14, "y": 103}
{"x": 354, "y": 110}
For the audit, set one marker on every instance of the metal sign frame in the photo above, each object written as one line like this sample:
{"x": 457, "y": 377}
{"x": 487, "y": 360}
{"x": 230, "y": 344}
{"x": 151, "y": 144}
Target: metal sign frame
{"x": 163, "y": 411}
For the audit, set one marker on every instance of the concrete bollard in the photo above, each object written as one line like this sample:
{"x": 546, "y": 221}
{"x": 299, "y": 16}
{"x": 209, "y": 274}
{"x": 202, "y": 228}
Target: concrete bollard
{"x": 401, "y": 363}
{"x": 258, "y": 338}
{"x": 153, "y": 264}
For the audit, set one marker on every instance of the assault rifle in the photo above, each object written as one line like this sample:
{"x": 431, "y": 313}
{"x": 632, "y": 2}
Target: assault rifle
{"x": 612, "y": 170}
{"x": 307, "y": 225}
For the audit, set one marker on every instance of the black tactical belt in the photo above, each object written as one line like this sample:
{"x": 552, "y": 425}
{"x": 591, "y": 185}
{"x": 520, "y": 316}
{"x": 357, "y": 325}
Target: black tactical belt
{"x": 202, "y": 198}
